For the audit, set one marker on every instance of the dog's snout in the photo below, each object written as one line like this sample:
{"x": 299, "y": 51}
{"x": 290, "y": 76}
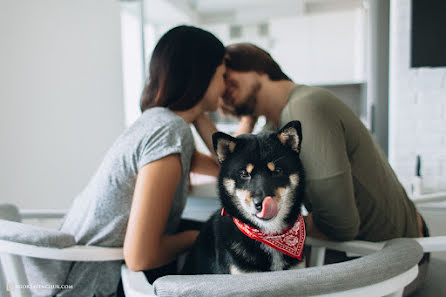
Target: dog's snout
{"x": 258, "y": 200}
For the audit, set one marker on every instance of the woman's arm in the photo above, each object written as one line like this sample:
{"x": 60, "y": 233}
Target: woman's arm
{"x": 205, "y": 128}
{"x": 204, "y": 164}
{"x": 246, "y": 125}
{"x": 145, "y": 244}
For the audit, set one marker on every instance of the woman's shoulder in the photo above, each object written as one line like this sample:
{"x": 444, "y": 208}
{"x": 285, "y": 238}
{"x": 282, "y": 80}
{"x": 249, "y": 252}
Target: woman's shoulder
{"x": 158, "y": 125}
{"x": 159, "y": 114}
{"x": 160, "y": 118}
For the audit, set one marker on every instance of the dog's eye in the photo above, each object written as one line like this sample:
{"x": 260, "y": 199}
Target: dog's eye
{"x": 244, "y": 174}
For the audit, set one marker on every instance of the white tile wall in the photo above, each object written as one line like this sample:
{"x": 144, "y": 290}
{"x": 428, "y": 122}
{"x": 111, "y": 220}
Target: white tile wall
{"x": 417, "y": 108}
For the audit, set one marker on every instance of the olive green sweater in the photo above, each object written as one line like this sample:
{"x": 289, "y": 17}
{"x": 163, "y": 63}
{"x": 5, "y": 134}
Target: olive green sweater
{"x": 351, "y": 189}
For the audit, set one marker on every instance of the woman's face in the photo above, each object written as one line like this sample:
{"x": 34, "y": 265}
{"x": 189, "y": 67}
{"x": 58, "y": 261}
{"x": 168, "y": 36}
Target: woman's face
{"x": 215, "y": 90}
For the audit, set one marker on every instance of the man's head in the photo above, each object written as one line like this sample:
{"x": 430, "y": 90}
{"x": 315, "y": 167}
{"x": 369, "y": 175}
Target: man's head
{"x": 246, "y": 63}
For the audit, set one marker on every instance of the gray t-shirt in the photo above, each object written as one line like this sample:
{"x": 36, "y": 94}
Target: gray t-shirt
{"x": 99, "y": 214}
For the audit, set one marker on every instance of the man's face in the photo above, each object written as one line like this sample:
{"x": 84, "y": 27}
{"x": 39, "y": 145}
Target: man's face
{"x": 242, "y": 89}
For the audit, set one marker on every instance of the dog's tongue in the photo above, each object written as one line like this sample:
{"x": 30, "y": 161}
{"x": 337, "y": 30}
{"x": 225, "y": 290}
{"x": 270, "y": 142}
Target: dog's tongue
{"x": 269, "y": 209}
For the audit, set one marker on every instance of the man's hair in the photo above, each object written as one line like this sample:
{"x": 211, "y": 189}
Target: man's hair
{"x": 181, "y": 68}
{"x": 249, "y": 57}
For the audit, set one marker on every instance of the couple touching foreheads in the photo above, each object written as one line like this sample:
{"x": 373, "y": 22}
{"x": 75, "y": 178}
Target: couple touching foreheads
{"x": 138, "y": 193}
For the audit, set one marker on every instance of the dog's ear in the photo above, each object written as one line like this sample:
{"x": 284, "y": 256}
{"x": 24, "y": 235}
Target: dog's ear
{"x": 291, "y": 135}
{"x": 224, "y": 145}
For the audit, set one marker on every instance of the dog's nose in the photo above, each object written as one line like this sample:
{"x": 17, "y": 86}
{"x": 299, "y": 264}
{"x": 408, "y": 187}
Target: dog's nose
{"x": 258, "y": 200}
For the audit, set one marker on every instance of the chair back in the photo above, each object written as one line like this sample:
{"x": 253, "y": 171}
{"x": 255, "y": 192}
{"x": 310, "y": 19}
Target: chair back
{"x": 9, "y": 212}
{"x": 381, "y": 273}
{"x": 11, "y": 263}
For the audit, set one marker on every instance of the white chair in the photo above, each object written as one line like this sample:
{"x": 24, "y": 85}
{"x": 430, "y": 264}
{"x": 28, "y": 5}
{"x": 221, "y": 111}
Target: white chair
{"x": 428, "y": 197}
{"x": 384, "y": 271}
{"x": 360, "y": 248}
{"x": 135, "y": 283}
{"x": 18, "y": 239}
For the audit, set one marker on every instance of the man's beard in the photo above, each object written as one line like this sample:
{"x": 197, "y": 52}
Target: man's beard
{"x": 248, "y": 105}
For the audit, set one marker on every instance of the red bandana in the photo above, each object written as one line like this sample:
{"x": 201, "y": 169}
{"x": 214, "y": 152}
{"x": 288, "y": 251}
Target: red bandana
{"x": 290, "y": 242}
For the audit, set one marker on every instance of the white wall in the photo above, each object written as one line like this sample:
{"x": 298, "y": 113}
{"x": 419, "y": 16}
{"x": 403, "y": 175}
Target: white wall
{"x": 316, "y": 48}
{"x": 417, "y": 107}
{"x": 321, "y": 48}
{"x": 60, "y": 96}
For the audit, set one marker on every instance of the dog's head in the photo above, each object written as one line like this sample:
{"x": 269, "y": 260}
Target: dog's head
{"x": 261, "y": 178}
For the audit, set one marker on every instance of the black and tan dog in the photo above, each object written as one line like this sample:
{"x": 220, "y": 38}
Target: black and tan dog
{"x": 261, "y": 189}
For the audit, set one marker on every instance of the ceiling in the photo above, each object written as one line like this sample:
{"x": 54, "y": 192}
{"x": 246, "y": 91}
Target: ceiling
{"x": 239, "y": 11}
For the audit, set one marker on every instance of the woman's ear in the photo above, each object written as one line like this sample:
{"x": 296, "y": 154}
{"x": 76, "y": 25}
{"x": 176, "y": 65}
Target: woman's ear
{"x": 224, "y": 145}
{"x": 291, "y": 135}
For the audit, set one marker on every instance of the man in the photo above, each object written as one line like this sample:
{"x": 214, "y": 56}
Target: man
{"x": 351, "y": 190}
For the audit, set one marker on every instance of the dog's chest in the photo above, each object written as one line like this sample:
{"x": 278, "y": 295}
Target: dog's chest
{"x": 278, "y": 261}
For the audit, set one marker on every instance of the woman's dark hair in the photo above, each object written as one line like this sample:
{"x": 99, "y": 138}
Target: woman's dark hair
{"x": 248, "y": 57}
{"x": 182, "y": 65}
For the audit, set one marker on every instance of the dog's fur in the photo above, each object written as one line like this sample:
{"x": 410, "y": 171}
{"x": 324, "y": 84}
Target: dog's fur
{"x": 252, "y": 168}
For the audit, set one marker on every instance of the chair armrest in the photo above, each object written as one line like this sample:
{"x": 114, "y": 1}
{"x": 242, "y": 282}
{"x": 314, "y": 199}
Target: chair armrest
{"x": 73, "y": 253}
{"x": 42, "y": 213}
{"x": 357, "y": 247}
{"x": 35, "y": 235}
{"x": 135, "y": 284}
{"x": 433, "y": 243}
{"x": 9, "y": 212}
{"x": 352, "y": 248}
{"x": 431, "y": 197}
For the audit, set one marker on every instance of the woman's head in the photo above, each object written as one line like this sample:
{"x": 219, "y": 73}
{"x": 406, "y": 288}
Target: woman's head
{"x": 181, "y": 68}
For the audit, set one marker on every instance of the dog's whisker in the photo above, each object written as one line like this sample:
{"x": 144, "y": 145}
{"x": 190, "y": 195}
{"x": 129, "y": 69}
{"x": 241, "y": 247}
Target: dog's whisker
{"x": 278, "y": 159}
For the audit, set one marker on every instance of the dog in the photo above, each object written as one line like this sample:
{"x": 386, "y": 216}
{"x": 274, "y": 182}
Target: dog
{"x": 261, "y": 186}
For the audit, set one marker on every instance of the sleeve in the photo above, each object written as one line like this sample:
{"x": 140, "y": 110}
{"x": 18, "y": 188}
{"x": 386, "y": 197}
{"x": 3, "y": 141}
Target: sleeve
{"x": 329, "y": 182}
{"x": 173, "y": 138}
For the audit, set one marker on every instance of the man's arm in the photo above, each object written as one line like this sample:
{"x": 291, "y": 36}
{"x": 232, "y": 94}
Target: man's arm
{"x": 311, "y": 229}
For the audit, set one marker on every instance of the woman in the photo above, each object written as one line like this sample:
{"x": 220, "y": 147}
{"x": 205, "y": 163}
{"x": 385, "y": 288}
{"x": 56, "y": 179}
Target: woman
{"x": 136, "y": 197}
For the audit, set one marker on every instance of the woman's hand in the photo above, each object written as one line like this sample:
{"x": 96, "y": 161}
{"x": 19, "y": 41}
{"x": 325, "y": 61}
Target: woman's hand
{"x": 247, "y": 122}
{"x": 246, "y": 125}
